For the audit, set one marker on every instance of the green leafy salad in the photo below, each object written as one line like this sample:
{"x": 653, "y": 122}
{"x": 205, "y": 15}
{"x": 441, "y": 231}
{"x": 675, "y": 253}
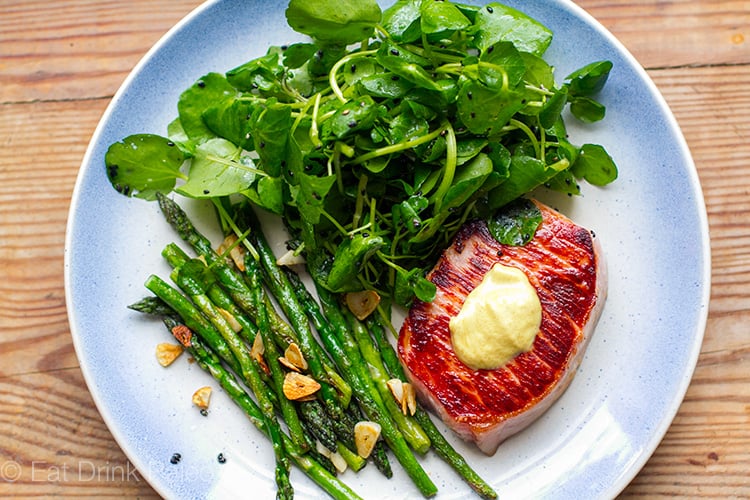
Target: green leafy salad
{"x": 379, "y": 137}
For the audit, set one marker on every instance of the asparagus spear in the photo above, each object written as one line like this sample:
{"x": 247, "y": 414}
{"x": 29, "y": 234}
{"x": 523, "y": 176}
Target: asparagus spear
{"x": 411, "y": 430}
{"x": 230, "y": 343}
{"x": 313, "y": 469}
{"x": 234, "y": 283}
{"x": 339, "y": 355}
{"x": 285, "y": 296}
{"x": 371, "y": 402}
{"x": 440, "y": 445}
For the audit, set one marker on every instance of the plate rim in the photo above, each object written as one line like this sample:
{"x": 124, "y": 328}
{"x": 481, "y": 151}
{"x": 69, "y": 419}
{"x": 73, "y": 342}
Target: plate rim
{"x": 656, "y": 436}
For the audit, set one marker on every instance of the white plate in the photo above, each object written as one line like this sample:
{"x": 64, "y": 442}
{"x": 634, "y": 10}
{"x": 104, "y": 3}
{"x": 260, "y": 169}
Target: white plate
{"x": 594, "y": 440}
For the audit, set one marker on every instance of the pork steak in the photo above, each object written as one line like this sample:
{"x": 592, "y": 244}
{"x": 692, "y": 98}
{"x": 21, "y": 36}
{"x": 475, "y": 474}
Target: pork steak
{"x": 564, "y": 264}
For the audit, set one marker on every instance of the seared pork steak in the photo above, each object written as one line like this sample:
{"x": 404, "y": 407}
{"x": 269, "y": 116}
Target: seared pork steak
{"x": 564, "y": 264}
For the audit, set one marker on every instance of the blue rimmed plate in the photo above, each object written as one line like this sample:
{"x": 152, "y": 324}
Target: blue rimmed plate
{"x": 651, "y": 223}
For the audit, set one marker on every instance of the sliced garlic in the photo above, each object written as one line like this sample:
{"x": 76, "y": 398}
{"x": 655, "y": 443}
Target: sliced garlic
{"x": 366, "y": 435}
{"x": 257, "y": 351}
{"x": 230, "y": 319}
{"x": 410, "y": 399}
{"x": 404, "y": 394}
{"x": 298, "y": 387}
{"x": 294, "y": 355}
{"x": 396, "y": 387}
{"x": 290, "y": 258}
{"x": 201, "y": 397}
{"x": 334, "y": 456}
{"x": 166, "y": 353}
{"x": 363, "y": 303}
{"x": 237, "y": 253}
{"x": 183, "y": 334}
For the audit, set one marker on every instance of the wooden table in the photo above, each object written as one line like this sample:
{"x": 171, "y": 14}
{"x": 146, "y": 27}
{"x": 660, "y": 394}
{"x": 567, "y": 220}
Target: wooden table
{"x": 61, "y": 62}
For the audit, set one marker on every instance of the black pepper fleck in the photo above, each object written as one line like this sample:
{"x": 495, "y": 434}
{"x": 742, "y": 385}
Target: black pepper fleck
{"x": 201, "y": 83}
{"x": 221, "y": 458}
{"x": 175, "y": 458}
{"x": 395, "y": 52}
{"x": 490, "y": 9}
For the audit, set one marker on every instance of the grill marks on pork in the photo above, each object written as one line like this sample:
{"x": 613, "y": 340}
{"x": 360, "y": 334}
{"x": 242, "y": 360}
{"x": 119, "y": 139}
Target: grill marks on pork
{"x": 486, "y": 406}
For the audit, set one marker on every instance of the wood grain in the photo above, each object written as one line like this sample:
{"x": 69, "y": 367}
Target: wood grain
{"x": 61, "y": 62}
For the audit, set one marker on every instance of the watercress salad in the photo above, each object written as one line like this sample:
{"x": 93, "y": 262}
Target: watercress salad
{"x": 380, "y": 136}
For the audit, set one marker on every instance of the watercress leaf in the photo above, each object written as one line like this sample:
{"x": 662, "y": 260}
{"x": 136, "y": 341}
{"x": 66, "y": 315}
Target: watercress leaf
{"x": 564, "y": 182}
{"x": 406, "y": 126}
{"x": 350, "y": 258}
{"x": 516, "y": 223}
{"x": 336, "y": 22}
{"x": 424, "y": 289}
{"x": 590, "y": 79}
{"x": 324, "y": 59}
{"x": 438, "y": 16}
{"x": 553, "y": 107}
{"x": 538, "y": 72}
{"x": 297, "y": 54}
{"x": 468, "y": 179}
{"x": 385, "y": 85}
{"x": 587, "y": 110}
{"x": 210, "y": 90}
{"x": 501, "y": 66}
{"x": 466, "y": 149}
{"x": 310, "y": 196}
{"x": 177, "y": 134}
{"x": 406, "y": 213}
{"x": 595, "y": 165}
{"x": 268, "y": 193}
{"x": 261, "y": 74}
{"x": 410, "y": 284}
{"x": 496, "y": 22}
{"x": 269, "y": 127}
{"x": 525, "y": 174}
{"x": 485, "y": 111}
{"x": 355, "y": 115}
{"x": 501, "y": 158}
{"x": 407, "y": 65}
{"x": 230, "y": 120}
{"x": 143, "y": 164}
{"x": 218, "y": 170}
{"x": 401, "y": 21}
{"x": 358, "y": 69}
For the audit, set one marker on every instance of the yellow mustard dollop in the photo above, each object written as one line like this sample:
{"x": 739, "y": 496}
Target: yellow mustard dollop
{"x": 499, "y": 319}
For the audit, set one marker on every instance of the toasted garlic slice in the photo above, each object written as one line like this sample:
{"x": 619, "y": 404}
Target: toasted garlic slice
{"x": 334, "y": 456}
{"x": 363, "y": 303}
{"x": 230, "y": 319}
{"x": 396, "y": 387}
{"x": 290, "y": 259}
{"x": 366, "y": 434}
{"x": 288, "y": 363}
{"x": 166, "y": 353}
{"x": 297, "y": 386}
{"x": 404, "y": 394}
{"x": 183, "y": 334}
{"x": 257, "y": 351}
{"x": 410, "y": 399}
{"x": 201, "y": 397}
{"x": 237, "y": 253}
{"x": 294, "y": 355}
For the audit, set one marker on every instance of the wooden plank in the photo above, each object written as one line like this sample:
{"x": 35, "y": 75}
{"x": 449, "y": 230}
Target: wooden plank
{"x": 75, "y": 49}
{"x": 37, "y": 173}
{"x": 672, "y": 33}
{"x": 55, "y": 442}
